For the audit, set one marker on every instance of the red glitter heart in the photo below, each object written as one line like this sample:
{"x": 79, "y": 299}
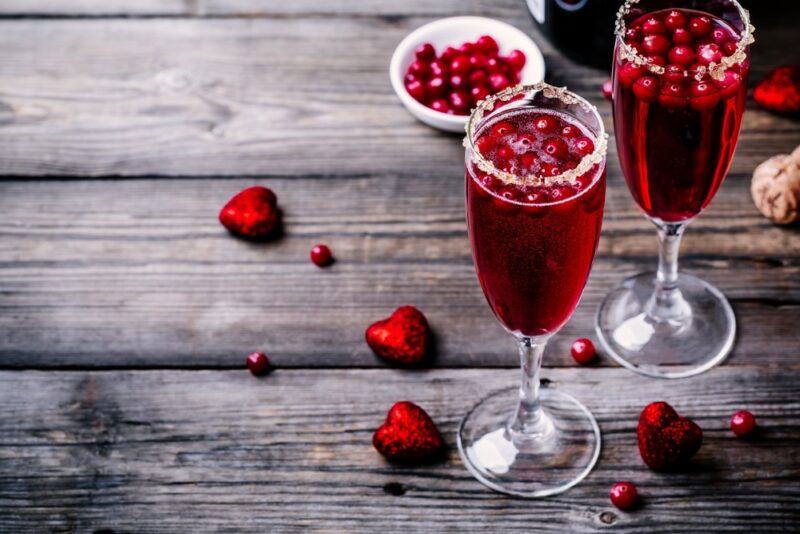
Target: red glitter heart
{"x": 779, "y": 91}
{"x": 408, "y": 435}
{"x": 402, "y": 338}
{"x": 252, "y": 213}
{"x": 666, "y": 440}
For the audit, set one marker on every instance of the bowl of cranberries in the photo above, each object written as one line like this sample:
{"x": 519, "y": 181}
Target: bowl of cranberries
{"x": 441, "y": 70}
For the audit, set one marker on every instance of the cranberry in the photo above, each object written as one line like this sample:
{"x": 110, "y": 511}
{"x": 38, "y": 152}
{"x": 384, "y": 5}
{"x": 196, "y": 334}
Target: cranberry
{"x": 478, "y": 93}
{"x": 624, "y": 495}
{"x": 569, "y": 131}
{"x": 682, "y": 55}
{"x": 729, "y": 84}
{"x": 673, "y": 95}
{"x": 608, "y": 89}
{"x": 438, "y": 68}
{"x": 583, "y": 351}
{"x": 502, "y": 128}
{"x": 484, "y": 144}
{"x": 673, "y": 73}
{"x": 436, "y": 86}
{"x": 709, "y": 53}
{"x": 743, "y": 423}
{"x": 561, "y": 192}
{"x": 556, "y": 148}
{"x": 584, "y": 180}
{"x": 682, "y": 36}
{"x": 526, "y": 140}
{"x": 258, "y": 363}
{"x": 655, "y": 44}
{"x": 477, "y": 77}
{"x": 528, "y": 160}
{"x": 477, "y": 61}
{"x": 657, "y": 60}
{"x": 417, "y": 91}
{"x": 460, "y": 65}
{"x": 545, "y": 124}
{"x": 457, "y": 82}
{"x": 700, "y": 26}
{"x": 653, "y": 26}
{"x": 440, "y": 105}
{"x": 704, "y": 96}
{"x": 533, "y": 197}
{"x": 633, "y": 35}
{"x": 584, "y": 146}
{"x": 720, "y": 36}
{"x": 425, "y": 52}
{"x": 449, "y": 54}
{"x": 646, "y": 88}
{"x": 516, "y": 58}
{"x": 493, "y": 65}
{"x": 321, "y": 255}
{"x": 498, "y": 82}
{"x": 458, "y": 101}
{"x": 550, "y": 169}
{"x": 629, "y": 73}
{"x": 419, "y": 69}
{"x": 408, "y": 78}
{"x": 730, "y": 47}
{"x": 487, "y": 44}
{"x": 675, "y": 20}
{"x": 509, "y": 192}
{"x": 467, "y": 48}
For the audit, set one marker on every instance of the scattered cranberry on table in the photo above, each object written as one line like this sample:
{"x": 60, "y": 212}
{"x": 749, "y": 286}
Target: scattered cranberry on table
{"x": 583, "y": 351}
{"x": 459, "y": 78}
{"x": 608, "y": 89}
{"x": 258, "y": 363}
{"x": 624, "y": 495}
{"x": 321, "y": 255}
{"x": 743, "y": 423}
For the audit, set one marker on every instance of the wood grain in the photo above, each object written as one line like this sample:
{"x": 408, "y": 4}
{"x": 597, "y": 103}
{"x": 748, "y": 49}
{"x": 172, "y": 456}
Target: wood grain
{"x": 140, "y": 273}
{"x": 208, "y": 451}
{"x": 276, "y": 96}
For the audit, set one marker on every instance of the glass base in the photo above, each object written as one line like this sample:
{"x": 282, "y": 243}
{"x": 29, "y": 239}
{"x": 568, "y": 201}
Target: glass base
{"x": 547, "y": 463}
{"x": 695, "y": 334}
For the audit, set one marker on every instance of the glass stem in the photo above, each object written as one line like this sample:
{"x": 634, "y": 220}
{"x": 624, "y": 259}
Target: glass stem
{"x": 529, "y": 420}
{"x": 667, "y": 303}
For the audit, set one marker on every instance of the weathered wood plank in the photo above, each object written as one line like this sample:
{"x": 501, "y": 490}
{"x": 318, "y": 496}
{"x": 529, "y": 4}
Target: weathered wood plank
{"x": 282, "y": 96}
{"x": 221, "y": 451}
{"x": 139, "y": 272}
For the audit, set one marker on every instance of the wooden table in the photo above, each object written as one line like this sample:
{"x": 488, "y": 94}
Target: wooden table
{"x": 126, "y": 310}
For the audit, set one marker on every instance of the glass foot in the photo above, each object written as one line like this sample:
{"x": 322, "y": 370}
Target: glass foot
{"x": 550, "y": 462}
{"x": 696, "y": 334}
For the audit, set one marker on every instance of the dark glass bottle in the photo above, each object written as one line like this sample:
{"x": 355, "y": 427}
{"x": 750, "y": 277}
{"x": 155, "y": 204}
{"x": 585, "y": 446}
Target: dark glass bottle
{"x": 581, "y": 29}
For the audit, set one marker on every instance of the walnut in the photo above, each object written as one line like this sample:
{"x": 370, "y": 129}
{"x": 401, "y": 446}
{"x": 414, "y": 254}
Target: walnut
{"x": 776, "y": 187}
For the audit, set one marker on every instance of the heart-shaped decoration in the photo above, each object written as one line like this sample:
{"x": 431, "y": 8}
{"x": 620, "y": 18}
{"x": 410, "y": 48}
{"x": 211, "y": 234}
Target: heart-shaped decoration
{"x": 666, "y": 440}
{"x": 252, "y": 213}
{"x": 779, "y": 91}
{"x": 408, "y": 435}
{"x": 402, "y": 338}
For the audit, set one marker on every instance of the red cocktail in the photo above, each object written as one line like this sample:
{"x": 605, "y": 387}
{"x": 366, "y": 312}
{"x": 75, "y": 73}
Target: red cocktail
{"x": 535, "y": 181}
{"x": 680, "y": 86}
{"x": 534, "y": 244}
{"x": 677, "y": 129}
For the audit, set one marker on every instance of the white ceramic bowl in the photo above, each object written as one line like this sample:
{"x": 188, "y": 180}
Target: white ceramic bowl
{"x": 454, "y": 31}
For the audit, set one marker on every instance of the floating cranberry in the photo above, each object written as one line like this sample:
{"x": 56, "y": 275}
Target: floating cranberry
{"x": 436, "y": 86}
{"x": 608, "y": 89}
{"x": 550, "y": 169}
{"x": 417, "y": 91}
{"x": 584, "y": 146}
{"x": 700, "y": 26}
{"x": 321, "y": 255}
{"x": 509, "y": 192}
{"x": 528, "y": 160}
{"x": 561, "y": 192}
{"x": 502, "y": 128}
{"x": 646, "y": 88}
{"x": 629, "y": 73}
{"x": 682, "y": 55}
{"x": 624, "y": 495}
{"x": 533, "y": 197}
{"x": 675, "y": 20}
{"x": 556, "y": 148}
{"x": 505, "y": 153}
{"x": 730, "y": 47}
{"x": 653, "y": 26}
{"x": 674, "y": 73}
{"x": 487, "y": 44}
{"x": 655, "y": 44}
{"x": 729, "y": 84}
{"x": 484, "y": 144}
{"x": 704, "y": 96}
{"x": 545, "y": 124}
{"x": 682, "y": 36}
{"x": 440, "y": 105}
{"x": 425, "y": 52}
{"x": 633, "y": 35}
{"x": 720, "y": 36}
{"x": 569, "y": 131}
{"x": 673, "y": 95}
{"x": 709, "y": 53}
{"x": 516, "y": 58}
{"x": 583, "y": 351}
{"x": 743, "y": 423}
{"x": 498, "y": 82}
{"x": 258, "y": 363}
{"x": 458, "y": 101}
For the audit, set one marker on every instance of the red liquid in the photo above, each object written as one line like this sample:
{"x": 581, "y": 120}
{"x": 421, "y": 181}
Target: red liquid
{"x": 533, "y": 246}
{"x": 676, "y": 135}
